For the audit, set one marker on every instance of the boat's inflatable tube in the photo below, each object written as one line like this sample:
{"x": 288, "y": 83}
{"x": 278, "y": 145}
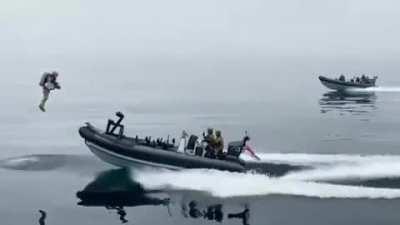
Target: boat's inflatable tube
{"x": 343, "y": 85}
{"x": 126, "y": 152}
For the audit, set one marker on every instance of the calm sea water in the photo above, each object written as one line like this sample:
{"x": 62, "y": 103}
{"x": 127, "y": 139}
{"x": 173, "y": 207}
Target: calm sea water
{"x": 348, "y": 143}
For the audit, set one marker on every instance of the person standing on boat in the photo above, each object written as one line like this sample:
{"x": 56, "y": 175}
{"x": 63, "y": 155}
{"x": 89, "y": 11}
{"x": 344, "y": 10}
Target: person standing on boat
{"x": 210, "y": 140}
{"x": 219, "y": 144}
{"x": 48, "y": 82}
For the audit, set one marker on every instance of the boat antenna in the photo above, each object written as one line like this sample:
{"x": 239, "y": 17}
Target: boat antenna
{"x": 246, "y": 134}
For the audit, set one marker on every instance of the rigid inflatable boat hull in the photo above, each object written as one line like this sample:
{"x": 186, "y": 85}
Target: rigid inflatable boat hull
{"x": 341, "y": 85}
{"x": 126, "y": 152}
{"x": 123, "y": 161}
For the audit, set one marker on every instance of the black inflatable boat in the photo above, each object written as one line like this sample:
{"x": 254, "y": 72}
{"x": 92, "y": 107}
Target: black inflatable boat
{"x": 339, "y": 85}
{"x": 115, "y": 148}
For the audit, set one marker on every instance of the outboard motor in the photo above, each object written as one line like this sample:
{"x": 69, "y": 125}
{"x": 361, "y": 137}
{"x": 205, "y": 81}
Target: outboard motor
{"x": 236, "y": 148}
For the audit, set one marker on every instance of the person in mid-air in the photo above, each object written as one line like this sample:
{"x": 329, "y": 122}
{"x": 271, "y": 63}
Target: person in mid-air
{"x": 48, "y": 82}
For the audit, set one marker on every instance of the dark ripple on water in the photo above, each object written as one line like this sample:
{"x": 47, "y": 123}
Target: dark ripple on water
{"x": 47, "y": 162}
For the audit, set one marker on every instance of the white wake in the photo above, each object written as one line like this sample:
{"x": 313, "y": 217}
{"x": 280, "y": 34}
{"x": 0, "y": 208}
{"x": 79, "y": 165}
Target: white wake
{"x": 225, "y": 184}
{"x": 378, "y": 89}
{"x": 308, "y": 183}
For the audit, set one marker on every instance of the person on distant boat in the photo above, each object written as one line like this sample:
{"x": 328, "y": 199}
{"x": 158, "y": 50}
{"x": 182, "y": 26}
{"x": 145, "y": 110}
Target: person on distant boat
{"x": 219, "y": 144}
{"x": 342, "y": 78}
{"x": 357, "y": 80}
{"x": 48, "y": 82}
{"x": 363, "y": 79}
{"x": 367, "y": 80}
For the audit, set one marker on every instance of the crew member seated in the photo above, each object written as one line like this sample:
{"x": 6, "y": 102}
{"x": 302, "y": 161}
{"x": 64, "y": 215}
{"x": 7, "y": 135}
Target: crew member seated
{"x": 210, "y": 137}
{"x": 219, "y": 145}
{"x": 342, "y": 78}
{"x": 210, "y": 140}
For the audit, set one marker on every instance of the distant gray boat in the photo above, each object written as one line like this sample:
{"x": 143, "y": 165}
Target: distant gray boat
{"x": 340, "y": 85}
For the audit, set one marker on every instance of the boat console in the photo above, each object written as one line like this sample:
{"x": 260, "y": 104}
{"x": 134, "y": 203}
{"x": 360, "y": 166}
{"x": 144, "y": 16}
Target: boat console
{"x": 236, "y": 148}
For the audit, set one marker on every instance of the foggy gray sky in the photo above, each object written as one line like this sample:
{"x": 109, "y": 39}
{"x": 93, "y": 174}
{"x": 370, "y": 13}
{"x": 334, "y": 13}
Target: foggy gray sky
{"x": 209, "y": 38}
{"x": 139, "y": 56}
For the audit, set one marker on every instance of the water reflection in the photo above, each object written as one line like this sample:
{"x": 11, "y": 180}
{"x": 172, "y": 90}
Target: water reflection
{"x": 120, "y": 211}
{"x": 244, "y": 216}
{"x": 354, "y": 103}
{"x": 42, "y": 219}
{"x": 211, "y": 213}
{"x": 116, "y": 190}
{"x": 214, "y": 213}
